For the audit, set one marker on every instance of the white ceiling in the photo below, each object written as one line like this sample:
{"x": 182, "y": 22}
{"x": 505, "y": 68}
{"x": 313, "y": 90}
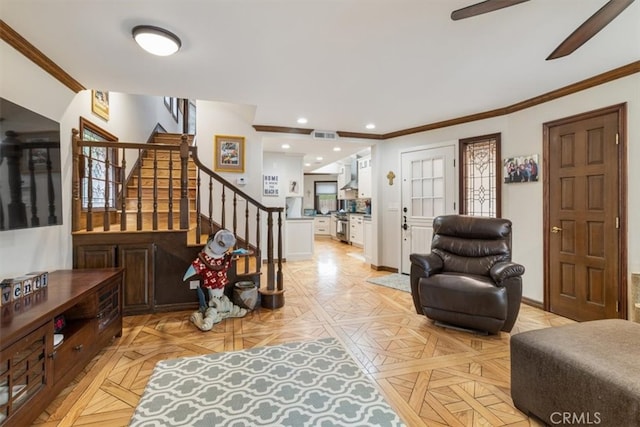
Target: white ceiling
{"x": 340, "y": 63}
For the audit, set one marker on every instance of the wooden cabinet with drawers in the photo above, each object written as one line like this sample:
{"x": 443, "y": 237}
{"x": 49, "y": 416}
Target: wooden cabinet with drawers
{"x": 32, "y": 370}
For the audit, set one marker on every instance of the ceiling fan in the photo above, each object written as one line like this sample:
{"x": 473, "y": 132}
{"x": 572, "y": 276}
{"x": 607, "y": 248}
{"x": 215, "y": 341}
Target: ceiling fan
{"x": 581, "y": 35}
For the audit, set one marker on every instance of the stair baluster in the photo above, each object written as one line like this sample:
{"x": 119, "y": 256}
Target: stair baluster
{"x": 89, "y": 192}
{"x": 105, "y": 215}
{"x": 123, "y": 192}
{"x": 139, "y": 212}
{"x": 170, "y": 206}
{"x": 155, "y": 190}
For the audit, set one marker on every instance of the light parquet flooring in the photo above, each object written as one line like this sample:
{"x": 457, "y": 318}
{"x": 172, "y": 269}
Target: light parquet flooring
{"x": 431, "y": 376}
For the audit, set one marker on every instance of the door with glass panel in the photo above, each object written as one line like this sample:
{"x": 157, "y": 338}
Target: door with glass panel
{"x": 428, "y": 190}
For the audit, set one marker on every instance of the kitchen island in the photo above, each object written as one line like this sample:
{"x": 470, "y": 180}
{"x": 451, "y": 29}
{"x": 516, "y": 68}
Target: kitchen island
{"x": 299, "y": 234}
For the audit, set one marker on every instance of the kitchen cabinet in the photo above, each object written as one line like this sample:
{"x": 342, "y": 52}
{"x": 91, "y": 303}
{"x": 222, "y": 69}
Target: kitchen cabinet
{"x": 32, "y": 370}
{"x": 364, "y": 178}
{"x": 321, "y": 225}
{"x": 368, "y": 240}
{"x": 356, "y": 230}
{"x": 333, "y": 227}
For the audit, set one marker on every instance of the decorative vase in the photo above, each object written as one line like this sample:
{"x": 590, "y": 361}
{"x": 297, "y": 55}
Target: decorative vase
{"x": 245, "y": 295}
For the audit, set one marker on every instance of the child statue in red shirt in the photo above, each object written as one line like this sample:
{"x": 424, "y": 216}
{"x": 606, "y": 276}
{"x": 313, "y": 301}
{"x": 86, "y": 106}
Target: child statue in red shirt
{"x": 212, "y": 265}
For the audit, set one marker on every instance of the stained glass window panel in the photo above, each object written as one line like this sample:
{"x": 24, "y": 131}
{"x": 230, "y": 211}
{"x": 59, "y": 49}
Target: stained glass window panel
{"x": 480, "y": 195}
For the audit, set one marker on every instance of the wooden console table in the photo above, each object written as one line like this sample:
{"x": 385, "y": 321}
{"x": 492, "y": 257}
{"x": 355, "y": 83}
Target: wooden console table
{"x": 32, "y": 371}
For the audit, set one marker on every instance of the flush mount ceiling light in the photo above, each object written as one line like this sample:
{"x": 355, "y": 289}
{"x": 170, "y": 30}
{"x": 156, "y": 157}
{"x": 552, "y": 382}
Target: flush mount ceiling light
{"x": 155, "y": 40}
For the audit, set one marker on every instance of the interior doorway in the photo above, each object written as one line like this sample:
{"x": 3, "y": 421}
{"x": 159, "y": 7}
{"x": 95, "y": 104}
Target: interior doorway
{"x": 585, "y": 219}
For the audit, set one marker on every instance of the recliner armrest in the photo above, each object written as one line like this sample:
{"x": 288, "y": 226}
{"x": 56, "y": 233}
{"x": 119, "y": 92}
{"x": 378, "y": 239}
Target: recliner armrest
{"x": 430, "y": 263}
{"x": 504, "y": 270}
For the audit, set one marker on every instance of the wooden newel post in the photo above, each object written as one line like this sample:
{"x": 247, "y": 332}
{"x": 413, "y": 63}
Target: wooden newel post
{"x": 184, "y": 183}
{"x": 279, "y": 278}
{"x": 76, "y": 204}
{"x": 272, "y": 297}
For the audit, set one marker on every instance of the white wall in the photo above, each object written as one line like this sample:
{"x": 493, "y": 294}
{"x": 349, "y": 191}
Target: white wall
{"x": 132, "y": 118}
{"x": 221, "y": 118}
{"x": 523, "y": 204}
{"x": 44, "y": 248}
{"x": 286, "y": 168}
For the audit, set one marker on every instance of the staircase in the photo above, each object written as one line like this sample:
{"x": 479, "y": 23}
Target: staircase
{"x": 153, "y": 188}
{"x": 155, "y": 225}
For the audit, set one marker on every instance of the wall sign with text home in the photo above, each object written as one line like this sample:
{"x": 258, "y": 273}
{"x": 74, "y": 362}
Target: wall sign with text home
{"x": 270, "y": 185}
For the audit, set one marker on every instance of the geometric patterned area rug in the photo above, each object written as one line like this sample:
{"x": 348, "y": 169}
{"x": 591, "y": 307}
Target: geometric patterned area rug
{"x": 312, "y": 383}
{"x": 394, "y": 280}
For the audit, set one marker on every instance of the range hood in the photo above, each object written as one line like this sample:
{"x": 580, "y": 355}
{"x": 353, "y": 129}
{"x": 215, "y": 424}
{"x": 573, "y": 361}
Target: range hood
{"x": 353, "y": 183}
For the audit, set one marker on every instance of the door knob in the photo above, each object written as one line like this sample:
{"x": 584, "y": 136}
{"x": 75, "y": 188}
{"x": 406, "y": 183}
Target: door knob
{"x": 555, "y": 229}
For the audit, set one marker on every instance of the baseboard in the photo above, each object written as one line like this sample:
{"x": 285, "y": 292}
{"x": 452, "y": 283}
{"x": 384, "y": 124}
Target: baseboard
{"x": 533, "y": 303}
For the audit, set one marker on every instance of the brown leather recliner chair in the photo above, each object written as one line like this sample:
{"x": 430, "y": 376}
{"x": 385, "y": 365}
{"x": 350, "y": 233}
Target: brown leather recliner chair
{"x": 468, "y": 279}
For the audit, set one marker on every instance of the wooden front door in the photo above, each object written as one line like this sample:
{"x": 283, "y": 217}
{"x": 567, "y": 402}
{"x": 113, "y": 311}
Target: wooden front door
{"x": 584, "y": 277}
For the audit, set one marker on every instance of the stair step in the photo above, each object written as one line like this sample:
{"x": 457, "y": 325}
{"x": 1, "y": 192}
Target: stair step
{"x": 164, "y": 164}
{"x": 147, "y": 172}
{"x": 163, "y": 192}
{"x": 163, "y": 181}
{"x": 171, "y": 138}
{"x": 163, "y": 204}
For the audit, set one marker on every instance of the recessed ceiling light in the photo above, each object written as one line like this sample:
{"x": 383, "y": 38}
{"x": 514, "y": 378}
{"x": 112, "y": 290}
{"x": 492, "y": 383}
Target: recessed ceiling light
{"x": 319, "y": 159}
{"x": 302, "y": 120}
{"x": 337, "y": 149}
{"x": 285, "y": 146}
{"x": 307, "y": 164}
{"x": 370, "y": 126}
{"x": 155, "y": 40}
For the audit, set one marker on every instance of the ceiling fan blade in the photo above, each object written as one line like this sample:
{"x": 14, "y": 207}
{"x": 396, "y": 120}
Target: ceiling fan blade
{"x": 590, "y": 27}
{"x": 483, "y": 7}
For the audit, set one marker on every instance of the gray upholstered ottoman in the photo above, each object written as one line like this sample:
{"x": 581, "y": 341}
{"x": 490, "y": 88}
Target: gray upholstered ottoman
{"x": 582, "y": 374}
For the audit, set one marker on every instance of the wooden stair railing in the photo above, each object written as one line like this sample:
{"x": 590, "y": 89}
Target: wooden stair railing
{"x": 217, "y": 189}
{"x": 155, "y": 164}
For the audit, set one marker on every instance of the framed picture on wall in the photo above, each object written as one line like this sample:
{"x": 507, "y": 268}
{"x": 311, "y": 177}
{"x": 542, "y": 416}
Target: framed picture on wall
{"x": 521, "y": 169}
{"x": 229, "y": 153}
{"x": 100, "y": 103}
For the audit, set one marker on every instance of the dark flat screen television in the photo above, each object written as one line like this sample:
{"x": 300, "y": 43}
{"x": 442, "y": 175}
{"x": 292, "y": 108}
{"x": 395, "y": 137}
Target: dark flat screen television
{"x": 30, "y": 165}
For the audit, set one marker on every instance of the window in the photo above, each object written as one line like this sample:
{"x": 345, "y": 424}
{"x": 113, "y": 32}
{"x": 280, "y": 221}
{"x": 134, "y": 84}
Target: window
{"x": 191, "y": 117}
{"x": 101, "y": 164}
{"x": 480, "y": 176}
{"x": 326, "y": 196}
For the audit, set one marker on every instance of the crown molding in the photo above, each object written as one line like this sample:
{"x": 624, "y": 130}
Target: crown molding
{"x": 11, "y": 37}
{"x": 617, "y": 73}
{"x": 19, "y": 43}
{"x": 282, "y": 129}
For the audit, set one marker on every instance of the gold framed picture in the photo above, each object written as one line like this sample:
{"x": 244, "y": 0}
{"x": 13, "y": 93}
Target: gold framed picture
{"x": 229, "y": 153}
{"x": 100, "y": 103}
